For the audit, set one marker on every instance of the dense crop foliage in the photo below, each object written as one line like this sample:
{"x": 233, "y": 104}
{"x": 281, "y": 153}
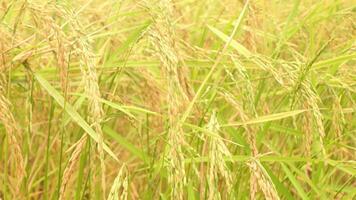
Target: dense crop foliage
{"x": 177, "y": 99}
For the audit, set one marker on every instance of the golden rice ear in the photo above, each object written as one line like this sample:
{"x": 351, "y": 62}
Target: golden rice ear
{"x": 308, "y": 135}
{"x": 338, "y": 120}
{"x": 56, "y": 37}
{"x": 252, "y": 21}
{"x": 119, "y": 188}
{"x": 87, "y": 65}
{"x": 263, "y": 180}
{"x": 250, "y": 130}
{"x": 249, "y": 96}
{"x": 312, "y": 99}
{"x": 251, "y": 139}
{"x": 218, "y": 170}
{"x": 16, "y": 166}
{"x": 13, "y": 134}
{"x": 162, "y": 36}
{"x": 73, "y": 160}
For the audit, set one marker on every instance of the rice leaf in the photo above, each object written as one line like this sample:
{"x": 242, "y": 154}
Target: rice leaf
{"x": 71, "y": 112}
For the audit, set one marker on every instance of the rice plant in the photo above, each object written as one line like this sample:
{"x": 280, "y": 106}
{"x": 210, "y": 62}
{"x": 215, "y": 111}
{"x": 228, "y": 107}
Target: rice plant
{"x": 177, "y": 99}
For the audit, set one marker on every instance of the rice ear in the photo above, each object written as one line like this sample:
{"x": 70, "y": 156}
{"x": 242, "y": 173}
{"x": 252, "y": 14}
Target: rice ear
{"x": 263, "y": 180}
{"x": 162, "y": 37}
{"x": 13, "y": 134}
{"x": 69, "y": 170}
{"x": 87, "y": 65}
{"x": 217, "y": 168}
{"x": 119, "y": 188}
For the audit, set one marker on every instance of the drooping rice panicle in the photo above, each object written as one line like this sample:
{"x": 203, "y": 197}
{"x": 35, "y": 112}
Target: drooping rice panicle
{"x": 162, "y": 36}
{"x": 217, "y": 167}
{"x": 119, "y": 188}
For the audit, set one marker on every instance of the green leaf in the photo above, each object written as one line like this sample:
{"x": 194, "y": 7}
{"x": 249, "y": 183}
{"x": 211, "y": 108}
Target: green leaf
{"x": 281, "y": 189}
{"x": 295, "y": 182}
{"x": 210, "y": 73}
{"x": 349, "y": 170}
{"x": 132, "y": 38}
{"x": 267, "y": 118}
{"x": 125, "y": 109}
{"x": 191, "y": 191}
{"x": 126, "y": 144}
{"x": 332, "y": 61}
{"x": 237, "y": 46}
{"x": 71, "y": 112}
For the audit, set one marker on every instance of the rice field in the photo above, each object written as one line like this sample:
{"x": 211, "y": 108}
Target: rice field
{"x": 177, "y": 99}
